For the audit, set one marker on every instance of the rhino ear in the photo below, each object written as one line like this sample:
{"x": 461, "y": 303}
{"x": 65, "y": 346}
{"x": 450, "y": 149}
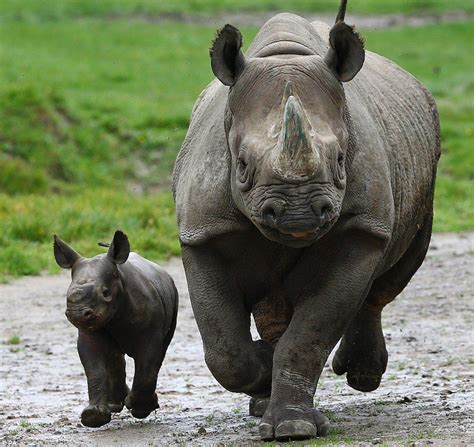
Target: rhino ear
{"x": 65, "y": 255}
{"x": 346, "y": 54}
{"x": 119, "y": 248}
{"x": 227, "y": 59}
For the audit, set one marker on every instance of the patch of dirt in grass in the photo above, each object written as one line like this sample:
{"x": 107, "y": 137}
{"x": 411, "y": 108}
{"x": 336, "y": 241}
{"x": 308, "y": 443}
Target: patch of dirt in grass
{"x": 426, "y": 396}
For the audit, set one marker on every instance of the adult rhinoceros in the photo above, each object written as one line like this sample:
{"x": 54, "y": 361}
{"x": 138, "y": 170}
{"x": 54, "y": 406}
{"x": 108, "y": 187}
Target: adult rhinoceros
{"x": 304, "y": 197}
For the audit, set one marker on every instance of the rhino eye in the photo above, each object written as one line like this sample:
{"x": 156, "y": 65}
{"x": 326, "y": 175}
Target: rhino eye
{"x": 340, "y": 160}
{"x": 340, "y": 171}
{"x": 244, "y": 176}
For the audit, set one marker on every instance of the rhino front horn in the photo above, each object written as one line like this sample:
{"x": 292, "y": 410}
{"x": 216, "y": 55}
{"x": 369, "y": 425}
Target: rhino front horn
{"x": 294, "y": 156}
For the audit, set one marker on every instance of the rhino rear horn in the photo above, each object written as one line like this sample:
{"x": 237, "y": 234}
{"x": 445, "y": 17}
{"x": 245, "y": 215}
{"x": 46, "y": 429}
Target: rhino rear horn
{"x": 119, "y": 248}
{"x": 346, "y": 54}
{"x": 65, "y": 255}
{"x": 227, "y": 59}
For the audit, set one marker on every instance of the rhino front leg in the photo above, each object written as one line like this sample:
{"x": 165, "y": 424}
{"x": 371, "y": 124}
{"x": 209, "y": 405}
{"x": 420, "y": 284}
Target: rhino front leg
{"x": 325, "y": 300}
{"x": 94, "y": 352}
{"x": 238, "y": 363}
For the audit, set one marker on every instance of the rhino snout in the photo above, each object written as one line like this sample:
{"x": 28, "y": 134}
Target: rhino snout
{"x": 278, "y": 215}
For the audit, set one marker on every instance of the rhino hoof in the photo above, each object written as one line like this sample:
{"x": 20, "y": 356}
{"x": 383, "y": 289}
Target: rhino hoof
{"x": 140, "y": 407}
{"x": 289, "y": 430}
{"x": 363, "y": 382}
{"x": 315, "y": 424}
{"x": 115, "y": 407}
{"x": 266, "y": 431}
{"x": 95, "y": 415}
{"x": 258, "y": 406}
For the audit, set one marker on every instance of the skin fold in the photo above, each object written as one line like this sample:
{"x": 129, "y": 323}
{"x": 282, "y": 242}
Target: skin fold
{"x": 304, "y": 196}
{"x": 121, "y": 304}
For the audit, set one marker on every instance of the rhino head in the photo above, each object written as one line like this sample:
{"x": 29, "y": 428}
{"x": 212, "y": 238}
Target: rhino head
{"x": 286, "y": 126}
{"x": 96, "y": 288}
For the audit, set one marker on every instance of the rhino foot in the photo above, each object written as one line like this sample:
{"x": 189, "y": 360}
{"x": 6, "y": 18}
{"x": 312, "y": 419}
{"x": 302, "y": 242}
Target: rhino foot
{"x": 289, "y": 426}
{"x": 364, "y": 363}
{"x": 95, "y": 415}
{"x": 141, "y": 406}
{"x": 117, "y": 402}
{"x": 258, "y": 406}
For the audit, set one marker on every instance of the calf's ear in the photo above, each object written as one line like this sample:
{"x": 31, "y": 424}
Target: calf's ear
{"x": 119, "y": 248}
{"x": 227, "y": 59}
{"x": 346, "y": 54}
{"x": 65, "y": 255}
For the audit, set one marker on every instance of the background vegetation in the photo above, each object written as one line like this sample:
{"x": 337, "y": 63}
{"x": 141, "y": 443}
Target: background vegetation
{"x": 95, "y": 101}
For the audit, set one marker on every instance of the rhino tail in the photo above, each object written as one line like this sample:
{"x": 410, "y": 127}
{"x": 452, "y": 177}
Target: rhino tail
{"x": 342, "y": 11}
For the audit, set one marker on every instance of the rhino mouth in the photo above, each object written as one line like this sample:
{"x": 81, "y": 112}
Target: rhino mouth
{"x": 296, "y": 237}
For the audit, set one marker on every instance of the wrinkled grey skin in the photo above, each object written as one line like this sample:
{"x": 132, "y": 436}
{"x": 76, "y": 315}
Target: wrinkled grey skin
{"x": 304, "y": 198}
{"x": 122, "y": 304}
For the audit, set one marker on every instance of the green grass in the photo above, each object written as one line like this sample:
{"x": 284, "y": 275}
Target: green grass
{"x": 13, "y": 340}
{"x": 35, "y": 10}
{"x": 29, "y": 221}
{"x": 92, "y": 113}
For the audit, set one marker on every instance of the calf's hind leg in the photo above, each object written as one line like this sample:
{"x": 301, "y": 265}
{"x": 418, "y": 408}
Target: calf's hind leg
{"x": 118, "y": 388}
{"x": 362, "y": 353}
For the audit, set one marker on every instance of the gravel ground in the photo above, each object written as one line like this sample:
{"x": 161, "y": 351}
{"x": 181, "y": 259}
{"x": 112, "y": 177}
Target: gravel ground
{"x": 257, "y": 19}
{"x": 426, "y": 396}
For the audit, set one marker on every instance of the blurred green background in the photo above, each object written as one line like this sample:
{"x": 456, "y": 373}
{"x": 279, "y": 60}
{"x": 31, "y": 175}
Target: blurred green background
{"x": 95, "y": 100}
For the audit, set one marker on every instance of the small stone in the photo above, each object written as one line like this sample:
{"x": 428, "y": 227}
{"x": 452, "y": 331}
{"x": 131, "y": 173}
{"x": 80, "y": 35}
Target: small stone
{"x": 377, "y": 441}
{"x": 202, "y": 431}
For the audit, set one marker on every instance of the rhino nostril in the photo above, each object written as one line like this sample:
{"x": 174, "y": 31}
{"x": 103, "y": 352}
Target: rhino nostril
{"x": 326, "y": 211}
{"x": 272, "y": 210}
{"x": 88, "y": 314}
{"x": 322, "y": 210}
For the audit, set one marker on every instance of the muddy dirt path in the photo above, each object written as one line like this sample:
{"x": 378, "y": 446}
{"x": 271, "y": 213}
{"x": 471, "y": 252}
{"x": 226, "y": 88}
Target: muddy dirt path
{"x": 426, "y": 397}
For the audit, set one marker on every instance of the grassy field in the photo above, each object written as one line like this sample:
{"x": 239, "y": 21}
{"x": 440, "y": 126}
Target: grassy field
{"x": 58, "y": 10}
{"x": 92, "y": 113}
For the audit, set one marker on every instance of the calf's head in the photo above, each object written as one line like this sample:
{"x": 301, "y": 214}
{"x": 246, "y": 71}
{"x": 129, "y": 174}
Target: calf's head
{"x": 286, "y": 125}
{"x": 96, "y": 288}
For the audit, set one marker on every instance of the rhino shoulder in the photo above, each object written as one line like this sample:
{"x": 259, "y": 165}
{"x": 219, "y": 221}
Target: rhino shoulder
{"x": 201, "y": 178}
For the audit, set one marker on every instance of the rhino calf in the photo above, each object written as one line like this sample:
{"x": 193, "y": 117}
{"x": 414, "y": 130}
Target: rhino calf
{"x": 122, "y": 304}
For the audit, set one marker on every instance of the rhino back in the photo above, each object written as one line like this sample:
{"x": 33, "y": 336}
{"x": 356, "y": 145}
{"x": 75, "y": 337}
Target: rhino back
{"x": 395, "y": 120}
{"x": 146, "y": 280}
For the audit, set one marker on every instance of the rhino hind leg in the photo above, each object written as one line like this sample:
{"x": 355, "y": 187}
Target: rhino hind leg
{"x": 118, "y": 388}
{"x": 272, "y": 315}
{"x": 362, "y": 353}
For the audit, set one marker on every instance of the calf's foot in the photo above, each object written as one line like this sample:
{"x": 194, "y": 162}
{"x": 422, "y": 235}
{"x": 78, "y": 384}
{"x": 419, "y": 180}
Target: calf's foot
{"x": 292, "y": 423}
{"x": 95, "y": 415}
{"x": 117, "y": 400}
{"x": 141, "y": 405}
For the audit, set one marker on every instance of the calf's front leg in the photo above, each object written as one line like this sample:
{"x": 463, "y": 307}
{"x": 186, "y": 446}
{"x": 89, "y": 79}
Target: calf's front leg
{"x": 325, "y": 298}
{"x": 94, "y": 351}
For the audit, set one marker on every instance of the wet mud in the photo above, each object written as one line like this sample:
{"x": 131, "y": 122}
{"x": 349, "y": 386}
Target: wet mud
{"x": 426, "y": 396}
